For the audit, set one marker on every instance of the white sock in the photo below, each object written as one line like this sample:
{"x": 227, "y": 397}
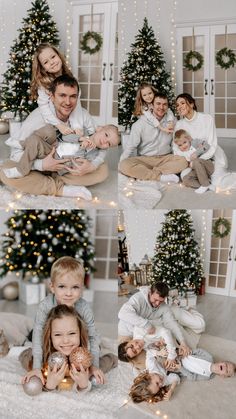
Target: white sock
{"x": 11, "y": 173}
{"x": 202, "y": 189}
{"x": 169, "y": 178}
{"x": 75, "y": 191}
{"x": 212, "y": 187}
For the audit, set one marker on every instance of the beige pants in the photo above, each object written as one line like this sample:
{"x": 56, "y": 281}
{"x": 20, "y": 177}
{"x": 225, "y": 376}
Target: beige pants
{"x": 39, "y": 183}
{"x": 200, "y": 173}
{"x": 151, "y": 168}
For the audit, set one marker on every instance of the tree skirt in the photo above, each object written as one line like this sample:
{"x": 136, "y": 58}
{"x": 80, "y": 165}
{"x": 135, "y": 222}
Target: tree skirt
{"x": 191, "y": 400}
{"x": 102, "y": 402}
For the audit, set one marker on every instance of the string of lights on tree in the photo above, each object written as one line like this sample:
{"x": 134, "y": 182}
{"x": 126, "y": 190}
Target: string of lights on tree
{"x": 177, "y": 260}
{"x": 145, "y": 63}
{"x": 38, "y": 27}
{"x": 35, "y": 239}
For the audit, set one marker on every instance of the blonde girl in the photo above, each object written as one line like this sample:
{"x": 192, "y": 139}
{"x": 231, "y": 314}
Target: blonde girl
{"x": 144, "y": 106}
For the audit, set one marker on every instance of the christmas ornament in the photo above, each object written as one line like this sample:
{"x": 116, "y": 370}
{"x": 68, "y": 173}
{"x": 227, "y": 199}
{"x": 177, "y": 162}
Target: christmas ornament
{"x": 4, "y": 126}
{"x": 33, "y": 387}
{"x": 56, "y": 358}
{"x": 80, "y": 356}
{"x": 188, "y": 61}
{"x": 11, "y": 291}
{"x": 226, "y": 58}
{"x": 86, "y": 40}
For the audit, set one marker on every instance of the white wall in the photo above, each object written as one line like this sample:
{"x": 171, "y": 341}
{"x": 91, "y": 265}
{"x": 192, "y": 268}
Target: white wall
{"x": 142, "y": 227}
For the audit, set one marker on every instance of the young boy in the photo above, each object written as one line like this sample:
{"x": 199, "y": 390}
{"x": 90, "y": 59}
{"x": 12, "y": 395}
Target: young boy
{"x": 200, "y": 170}
{"x": 39, "y": 144}
{"x": 67, "y": 279}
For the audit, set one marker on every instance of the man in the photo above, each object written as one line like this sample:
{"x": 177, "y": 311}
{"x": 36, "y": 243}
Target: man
{"x": 153, "y": 148}
{"x": 147, "y": 309}
{"x": 64, "y": 95}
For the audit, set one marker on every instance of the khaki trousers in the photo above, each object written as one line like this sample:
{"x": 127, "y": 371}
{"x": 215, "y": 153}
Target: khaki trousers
{"x": 50, "y": 183}
{"x": 200, "y": 173}
{"x": 151, "y": 168}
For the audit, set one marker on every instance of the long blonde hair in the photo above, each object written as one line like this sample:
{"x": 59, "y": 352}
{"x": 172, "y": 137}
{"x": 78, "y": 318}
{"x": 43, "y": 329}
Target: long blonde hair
{"x": 40, "y": 77}
{"x": 139, "y": 102}
{"x": 139, "y": 391}
{"x": 59, "y": 312}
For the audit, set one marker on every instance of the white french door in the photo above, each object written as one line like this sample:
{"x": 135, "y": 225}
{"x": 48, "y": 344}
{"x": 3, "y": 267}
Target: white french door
{"x": 221, "y": 255}
{"x": 97, "y": 73}
{"x": 213, "y": 87}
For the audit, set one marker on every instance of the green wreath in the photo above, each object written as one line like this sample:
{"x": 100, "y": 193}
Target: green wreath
{"x": 221, "y": 222}
{"x": 188, "y": 60}
{"x": 230, "y": 58}
{"x": 86, "y": 38}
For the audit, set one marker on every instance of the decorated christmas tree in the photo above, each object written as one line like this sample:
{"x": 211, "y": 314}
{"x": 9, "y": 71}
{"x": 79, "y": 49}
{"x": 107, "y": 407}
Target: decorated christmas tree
{"x": 35, "y": 239}
{"x": 38, "y": 27}
{"x": 145, "y": 63}
{"x": 177, "y": 260}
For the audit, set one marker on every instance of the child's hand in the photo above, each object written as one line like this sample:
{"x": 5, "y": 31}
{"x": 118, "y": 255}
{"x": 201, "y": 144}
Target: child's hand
{"x": 36, "y": 372}
{"x": 151, "y": 330}
{"x": 170, "y": 364}
{"x": 168, "y": 395}
{"x": 64, "y": 129}
{"x": 168, "y": 130}
{"x": 79, "y": 132}
{"x": 86, "y": 143}
{"x": 162, "y": 352}
{"x": 98, "y": 374}
{"x": 184, "y": 350}
{"x": 80, "y": 377}
{"x": 193, "y": 156}
{"x": 55, "y": 376}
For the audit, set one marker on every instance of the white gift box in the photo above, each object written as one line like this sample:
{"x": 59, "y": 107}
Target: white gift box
{"x": 31, "y": 293}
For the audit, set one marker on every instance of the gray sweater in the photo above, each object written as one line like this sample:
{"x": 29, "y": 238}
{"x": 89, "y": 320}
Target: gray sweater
{"x": 147, "y": 140}
{"x": 139, "y": 312}
{"x": 86, "y": 314}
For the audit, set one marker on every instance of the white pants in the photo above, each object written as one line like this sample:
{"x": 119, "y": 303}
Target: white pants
{"x": 192, "y": 324}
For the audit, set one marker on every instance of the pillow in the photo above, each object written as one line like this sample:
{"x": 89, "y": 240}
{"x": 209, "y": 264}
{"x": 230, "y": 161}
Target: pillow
{"x": 16, "y": 327}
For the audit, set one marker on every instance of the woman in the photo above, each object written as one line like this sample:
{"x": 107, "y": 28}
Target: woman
{"x": 201, "y": 126}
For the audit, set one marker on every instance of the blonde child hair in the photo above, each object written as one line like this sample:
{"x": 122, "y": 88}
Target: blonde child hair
{"x": 40, "y": 77}
{"x": 59, "y": 312}
{"x": 139, "y": 391}
{"x": 181, "y": 133}
{"x": 65, "y": 265}
{"x": 139, "y": 102}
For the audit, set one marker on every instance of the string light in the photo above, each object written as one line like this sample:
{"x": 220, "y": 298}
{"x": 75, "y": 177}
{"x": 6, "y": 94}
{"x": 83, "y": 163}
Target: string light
{"x": 68, "y": 34}
{"x": 172, "y": 41}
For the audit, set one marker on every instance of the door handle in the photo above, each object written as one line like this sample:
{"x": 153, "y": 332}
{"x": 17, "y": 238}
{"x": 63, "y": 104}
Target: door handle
{"x": 205, "y": 87}
{"x": 212, "y": 86}
{"x": 111, "y": 72}
{"x": 230, "y": 252}
{"x": 104, "y": 72}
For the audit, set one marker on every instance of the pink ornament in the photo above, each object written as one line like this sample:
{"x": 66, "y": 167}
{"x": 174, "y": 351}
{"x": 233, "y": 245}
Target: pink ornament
{"x": 33, "y": 387}
{"x": 56, "y": 358}
{"x": 80, "y": 356}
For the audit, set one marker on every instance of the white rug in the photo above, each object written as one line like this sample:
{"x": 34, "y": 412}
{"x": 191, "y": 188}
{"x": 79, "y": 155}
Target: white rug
{"x": 192, "y": 400}
{"x": 101, "y": 403}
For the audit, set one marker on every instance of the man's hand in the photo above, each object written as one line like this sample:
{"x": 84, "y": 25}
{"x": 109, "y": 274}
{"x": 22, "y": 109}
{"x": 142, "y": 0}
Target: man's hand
{"x": 52, "y": 165}
{"x": 184, "y": 350}
{"x": 81, "y": 167}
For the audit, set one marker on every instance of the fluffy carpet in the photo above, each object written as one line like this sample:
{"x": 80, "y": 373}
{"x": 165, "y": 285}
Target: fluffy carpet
{"x": 101, "y": 403}
{"x": 191, "y": 400}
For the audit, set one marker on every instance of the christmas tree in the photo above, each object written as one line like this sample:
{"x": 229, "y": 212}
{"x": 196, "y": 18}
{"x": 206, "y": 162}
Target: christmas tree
{"x": 177, "y": 260}
{"x": 38, "y": 27}
{"x": 145, "y": 63}
{"x": 35, "y": 239}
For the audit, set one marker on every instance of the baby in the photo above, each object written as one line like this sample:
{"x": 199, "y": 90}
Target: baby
{"x": 198, "y": 174}
{"x": 39, "y": 144}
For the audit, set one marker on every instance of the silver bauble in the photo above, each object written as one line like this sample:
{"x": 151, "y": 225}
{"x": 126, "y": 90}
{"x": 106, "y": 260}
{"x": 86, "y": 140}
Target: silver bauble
{"x": 4, "y": 126}
{"x": 56, "y": 358}
{"x": 33, "y": 387}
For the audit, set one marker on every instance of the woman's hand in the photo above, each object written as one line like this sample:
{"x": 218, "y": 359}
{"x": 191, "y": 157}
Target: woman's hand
{"x": 81, "y": 377}
{"x": 34, "y": 373}
{"x": 64, "y": 129}
{"x": 55, "y": 376}
{"x": 98, "y": 374}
